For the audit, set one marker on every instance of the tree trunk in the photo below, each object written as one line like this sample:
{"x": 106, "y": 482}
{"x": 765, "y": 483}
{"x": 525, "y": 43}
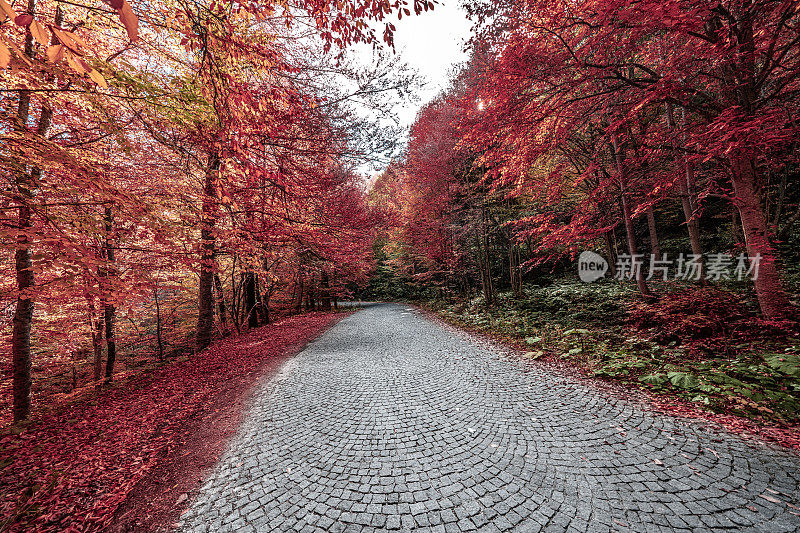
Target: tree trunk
{"x": 325, "y": 291}
{"x": 260, "y": 311}
{"x": 205, "y": 300}
{"x": 159, "y": 336}
{"x": 688, "y": 199}
{"x": 692, "y": 224}
{"x": 691, "y": 182}
{"x": 23, "y": 315}
{"x": 781, "y": 198}
{"x": 483, "y": 254}
{"x": 298, "y": 302}
{"x": 235, "y": 289}
{"x": 627, "y": 218}
{"x": 265, "y": 307}
{"x": 771, "y": 296}
{"x": 23, "y": 312}
{"x": 221, "y": 309}
{"x": 111, "y": 345}
{"x": 110, "y": 309}
{"x": 311, "y": 294}
{"x": 250, "y": 299}
{"x": 515, "y": 274}
{"x": 96, "y": 323}
{"x": 335, "y": 293}
{"x": 655, "y": 248}
{"x": 611, "y": 246}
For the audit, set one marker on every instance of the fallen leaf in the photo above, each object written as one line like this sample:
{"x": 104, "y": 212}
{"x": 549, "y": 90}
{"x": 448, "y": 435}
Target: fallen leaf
{"x": 5, "y": 55}
{"x": 39, "y": 33}
{"x": 7, "y": 10}
{"x": 98, "y": 78}
{"x": 55, "y": 53}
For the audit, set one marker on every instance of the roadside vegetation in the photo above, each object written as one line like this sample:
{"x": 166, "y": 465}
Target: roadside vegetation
{"x": 730, "y": 362}
{"x": 656, "y": 139}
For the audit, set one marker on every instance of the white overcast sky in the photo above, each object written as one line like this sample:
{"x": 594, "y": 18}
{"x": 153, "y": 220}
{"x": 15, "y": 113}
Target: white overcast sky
{"x": 431, "y": 43}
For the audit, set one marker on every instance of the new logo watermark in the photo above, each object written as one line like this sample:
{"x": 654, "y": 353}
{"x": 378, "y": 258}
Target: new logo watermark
{"x": 689, "y": 267}
{"x": 591, "y": 266}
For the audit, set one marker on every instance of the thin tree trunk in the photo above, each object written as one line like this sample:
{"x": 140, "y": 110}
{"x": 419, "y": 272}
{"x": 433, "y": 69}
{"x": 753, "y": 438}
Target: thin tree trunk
{"x": 481, "y": 266}
{"x": 110, "y": 309}
{"x": 223, "y": 314}
{"x": 23, "y": 312}
{"x": 736, "y": 226}
{"x": 486, "y": 272}
{"x": 250, "y": 299}
{"x": 205, "y": 299}
{"x": 234, "y": 313}
{"x": 159, "y": 339}
{"x": 311, "y": 294}
{"x": 96, "y": 324}
{"x": 325, "y": 291}
{"x": 335, "y": 293}
{"x": 262, "y": 313}
{"x": 691, "y": 182}
{"x": 265, "y": 303}
{"x": 627, "y": 218}
{"x": 611, "y": 246}
{"x": 655, "y": 248}
{"x": 688, "y": 200}
{"x": 781, "y": 198}
{"x": 298, "y": 302}
{"x": 771, "y": 296}
{"x": 515, "y": 274}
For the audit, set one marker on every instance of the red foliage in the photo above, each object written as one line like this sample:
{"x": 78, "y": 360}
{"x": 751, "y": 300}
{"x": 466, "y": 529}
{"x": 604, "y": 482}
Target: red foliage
{"x": 74, "y": 468}
{"x": 575, "y": 102}
{"x": 703, "y": 320}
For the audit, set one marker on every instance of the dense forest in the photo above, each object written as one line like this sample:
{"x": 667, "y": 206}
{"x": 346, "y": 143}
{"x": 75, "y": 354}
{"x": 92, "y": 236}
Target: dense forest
{"x": 175, "y": 171}
{"x": 662, "y": 137}
{"x": 612, "y": 186}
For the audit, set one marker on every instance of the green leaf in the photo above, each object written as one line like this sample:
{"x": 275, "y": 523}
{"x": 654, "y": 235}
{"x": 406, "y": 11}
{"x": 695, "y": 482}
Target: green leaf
{"x": 785, "y": 362}
{"x": 657, "y": 380}
{"x": 683, "y": 380}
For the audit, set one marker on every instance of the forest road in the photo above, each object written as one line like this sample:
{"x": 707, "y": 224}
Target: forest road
{"x": 392, "y": 421}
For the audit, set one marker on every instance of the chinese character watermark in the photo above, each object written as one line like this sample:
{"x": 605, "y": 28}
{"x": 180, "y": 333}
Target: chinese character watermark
{"x": 689, "y": 267}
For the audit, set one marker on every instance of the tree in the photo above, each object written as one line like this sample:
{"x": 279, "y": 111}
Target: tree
{"x": 552, "y": 68}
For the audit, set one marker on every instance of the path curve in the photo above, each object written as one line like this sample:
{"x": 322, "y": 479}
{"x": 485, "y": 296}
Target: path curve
{"x": 391, "y": 421}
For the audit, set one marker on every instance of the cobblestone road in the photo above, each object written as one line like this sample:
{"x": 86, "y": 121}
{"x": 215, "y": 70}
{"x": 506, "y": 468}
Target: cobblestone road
{"x": 390, "y": 421}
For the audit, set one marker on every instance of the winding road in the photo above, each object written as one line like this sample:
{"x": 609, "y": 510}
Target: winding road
{"x": 392, "y": 421}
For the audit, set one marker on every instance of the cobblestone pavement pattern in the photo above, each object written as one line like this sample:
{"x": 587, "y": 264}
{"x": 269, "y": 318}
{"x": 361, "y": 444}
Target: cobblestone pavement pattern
{"x": 390, "y": 421}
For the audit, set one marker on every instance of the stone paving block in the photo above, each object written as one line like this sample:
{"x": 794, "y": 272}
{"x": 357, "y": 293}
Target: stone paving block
{"x": 393, "y": 422}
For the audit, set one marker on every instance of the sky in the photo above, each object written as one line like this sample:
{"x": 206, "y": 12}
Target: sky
{"x": 431, "y": 43}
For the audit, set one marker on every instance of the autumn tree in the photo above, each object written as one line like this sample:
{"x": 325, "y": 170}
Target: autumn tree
{"x": 731, "y": 66}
